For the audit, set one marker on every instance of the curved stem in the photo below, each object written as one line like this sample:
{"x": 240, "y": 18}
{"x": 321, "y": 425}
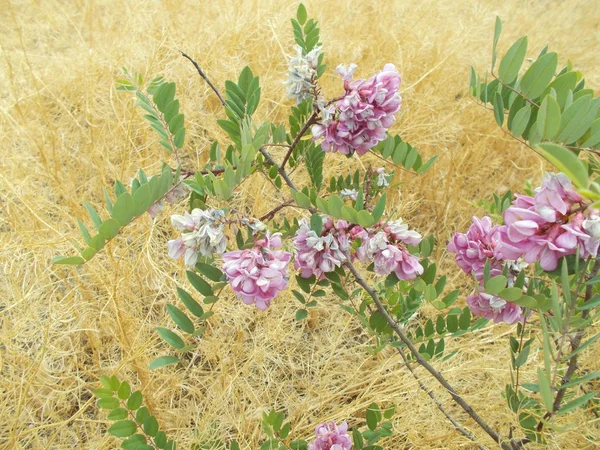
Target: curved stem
{"x": 311, "y": 121}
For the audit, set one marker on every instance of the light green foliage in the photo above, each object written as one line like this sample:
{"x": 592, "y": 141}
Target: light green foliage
{"x": 161, "y": 107}
{"x": 132, "y": 421}
{"x": 129, "y": 205}
{"x": 545, "y": 106}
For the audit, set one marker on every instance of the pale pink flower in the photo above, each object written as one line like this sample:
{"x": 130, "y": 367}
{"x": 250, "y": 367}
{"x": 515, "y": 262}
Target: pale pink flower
{"x": 330, "y": 436}
{"x": 475, "y": 247}
{"x": 257, "y": 275}
{"x": 317, "y": 255}
{"x": 494, "y": 308}
{"x": 202, "y": 235}
{"x": 388, "y": 257}
{"x": 360, "y": 119}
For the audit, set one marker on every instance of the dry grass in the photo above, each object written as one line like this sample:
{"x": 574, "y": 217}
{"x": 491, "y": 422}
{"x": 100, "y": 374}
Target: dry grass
{"x": 66, "y": 133}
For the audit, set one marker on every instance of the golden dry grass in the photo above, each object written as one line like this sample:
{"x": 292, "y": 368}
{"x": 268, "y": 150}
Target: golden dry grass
{"x": 65, "y": 133}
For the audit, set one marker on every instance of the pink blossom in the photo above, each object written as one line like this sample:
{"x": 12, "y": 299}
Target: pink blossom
{"x": 555, "y": 196}
{"x": 389, "y": 257}
{"x": 494, "y": 308}
{"x": 257, "y": 275}
{"x": 544, "y": 228}
{"x": 360, "y": 119}
{"x": 317, "y": 255}
{"x": 473, "y": 248}
{"x": 330, "y": 436}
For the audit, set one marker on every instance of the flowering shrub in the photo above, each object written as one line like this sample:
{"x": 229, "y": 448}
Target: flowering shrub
{"x": 538, "y": 265}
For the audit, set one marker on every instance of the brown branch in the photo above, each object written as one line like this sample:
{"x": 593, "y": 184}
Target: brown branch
{"x": 275, "y": 210}
{"x": 311, "y": 121}
{"x": 205, "y": 78}
{"x": 437, "y": 375}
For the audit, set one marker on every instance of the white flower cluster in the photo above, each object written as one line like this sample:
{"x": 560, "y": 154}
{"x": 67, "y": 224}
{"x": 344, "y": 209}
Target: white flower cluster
{"x": 202, "y": 234}
{"x": 302, "y": 70}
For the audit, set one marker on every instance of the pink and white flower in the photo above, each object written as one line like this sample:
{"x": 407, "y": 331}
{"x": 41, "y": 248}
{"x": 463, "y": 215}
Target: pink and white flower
{"x": 360, "y": 119}
{"x": 330, "y": 436}
{"x": 495, "y": 308}
{"x": 202, "y": 235}
{"x": 257, "y": 275}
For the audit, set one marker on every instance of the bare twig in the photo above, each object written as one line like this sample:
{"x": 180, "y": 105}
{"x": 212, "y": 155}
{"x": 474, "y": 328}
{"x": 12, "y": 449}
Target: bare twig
{"x": 275, "y": 210}
{"x": 203, "y": 75}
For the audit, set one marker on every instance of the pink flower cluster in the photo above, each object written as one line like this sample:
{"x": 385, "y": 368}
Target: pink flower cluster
{"x": 330, "y": 436}
{"x": 257, "y": 275}
{"x": 387, "y": 249}
{"x": 384, "y": 244}
{"x": 547, "y": 226}
{"x": 360, "y": 119}
{"x": 316, "y": 255}
{"x": 551, "y": 224}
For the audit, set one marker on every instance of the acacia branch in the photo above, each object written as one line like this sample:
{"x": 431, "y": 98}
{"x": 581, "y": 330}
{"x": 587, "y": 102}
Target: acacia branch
{"x": 435, "y": 373}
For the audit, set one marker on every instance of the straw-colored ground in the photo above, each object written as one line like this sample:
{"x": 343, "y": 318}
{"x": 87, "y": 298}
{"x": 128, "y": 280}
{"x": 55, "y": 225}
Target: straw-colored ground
{"x": 66, "y": 133}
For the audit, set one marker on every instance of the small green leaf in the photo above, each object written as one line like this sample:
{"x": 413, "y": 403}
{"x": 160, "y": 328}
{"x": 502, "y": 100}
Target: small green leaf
{"x": 495, "y": 285}
{"x": 316, "y": 224}
{"x": 162, "y": 361}
{"x": 179, "y": 138}
{"x": 521, "y": 120}
{"x": 135, "y": 401}
{"x": 124, "y": 208}
{"x": 180, "y": 318}
{"x": 549, "y": 118}
{"x": 108, "y": 403}
{"x": 498, "y": 109}
{"x": 365, "y": 219}
{"x": 117, "y": 414}
{"x": 372, "y": 416}
{"x": 301, "y": 14}
{"x": 199, "y": 284}
{"x": 109, "y": 228}
{"x": 576, "y": 403}
{"x": 379, "y": 207}
{"x": 512, "y": 61}
{"x": 171, "y": 338}
{"x": 209, "y": 271}
{"x": 93, "y": 214}
{"x": 124, "y": 390}
{"x": 565, "y": 161}
{"x": 301, "y": 314}
{"x": 123, "y": 428}
{"x": 70, "y": 260}
{"x": 151, "y": 426}
{"x": 539, "y": 75}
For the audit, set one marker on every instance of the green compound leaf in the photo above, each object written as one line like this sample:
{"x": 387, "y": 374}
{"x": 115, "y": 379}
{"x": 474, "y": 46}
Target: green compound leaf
{"x": 135, "y": 401}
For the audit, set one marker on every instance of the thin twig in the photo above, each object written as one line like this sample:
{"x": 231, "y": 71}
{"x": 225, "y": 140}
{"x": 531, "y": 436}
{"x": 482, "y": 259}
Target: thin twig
{"x": 275, "y": 210}
{"x": 311, "y": 121}
{"x": 203, "y": 75}
{"x": 435, "y": 400}
{"x": 437, "y": 375}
